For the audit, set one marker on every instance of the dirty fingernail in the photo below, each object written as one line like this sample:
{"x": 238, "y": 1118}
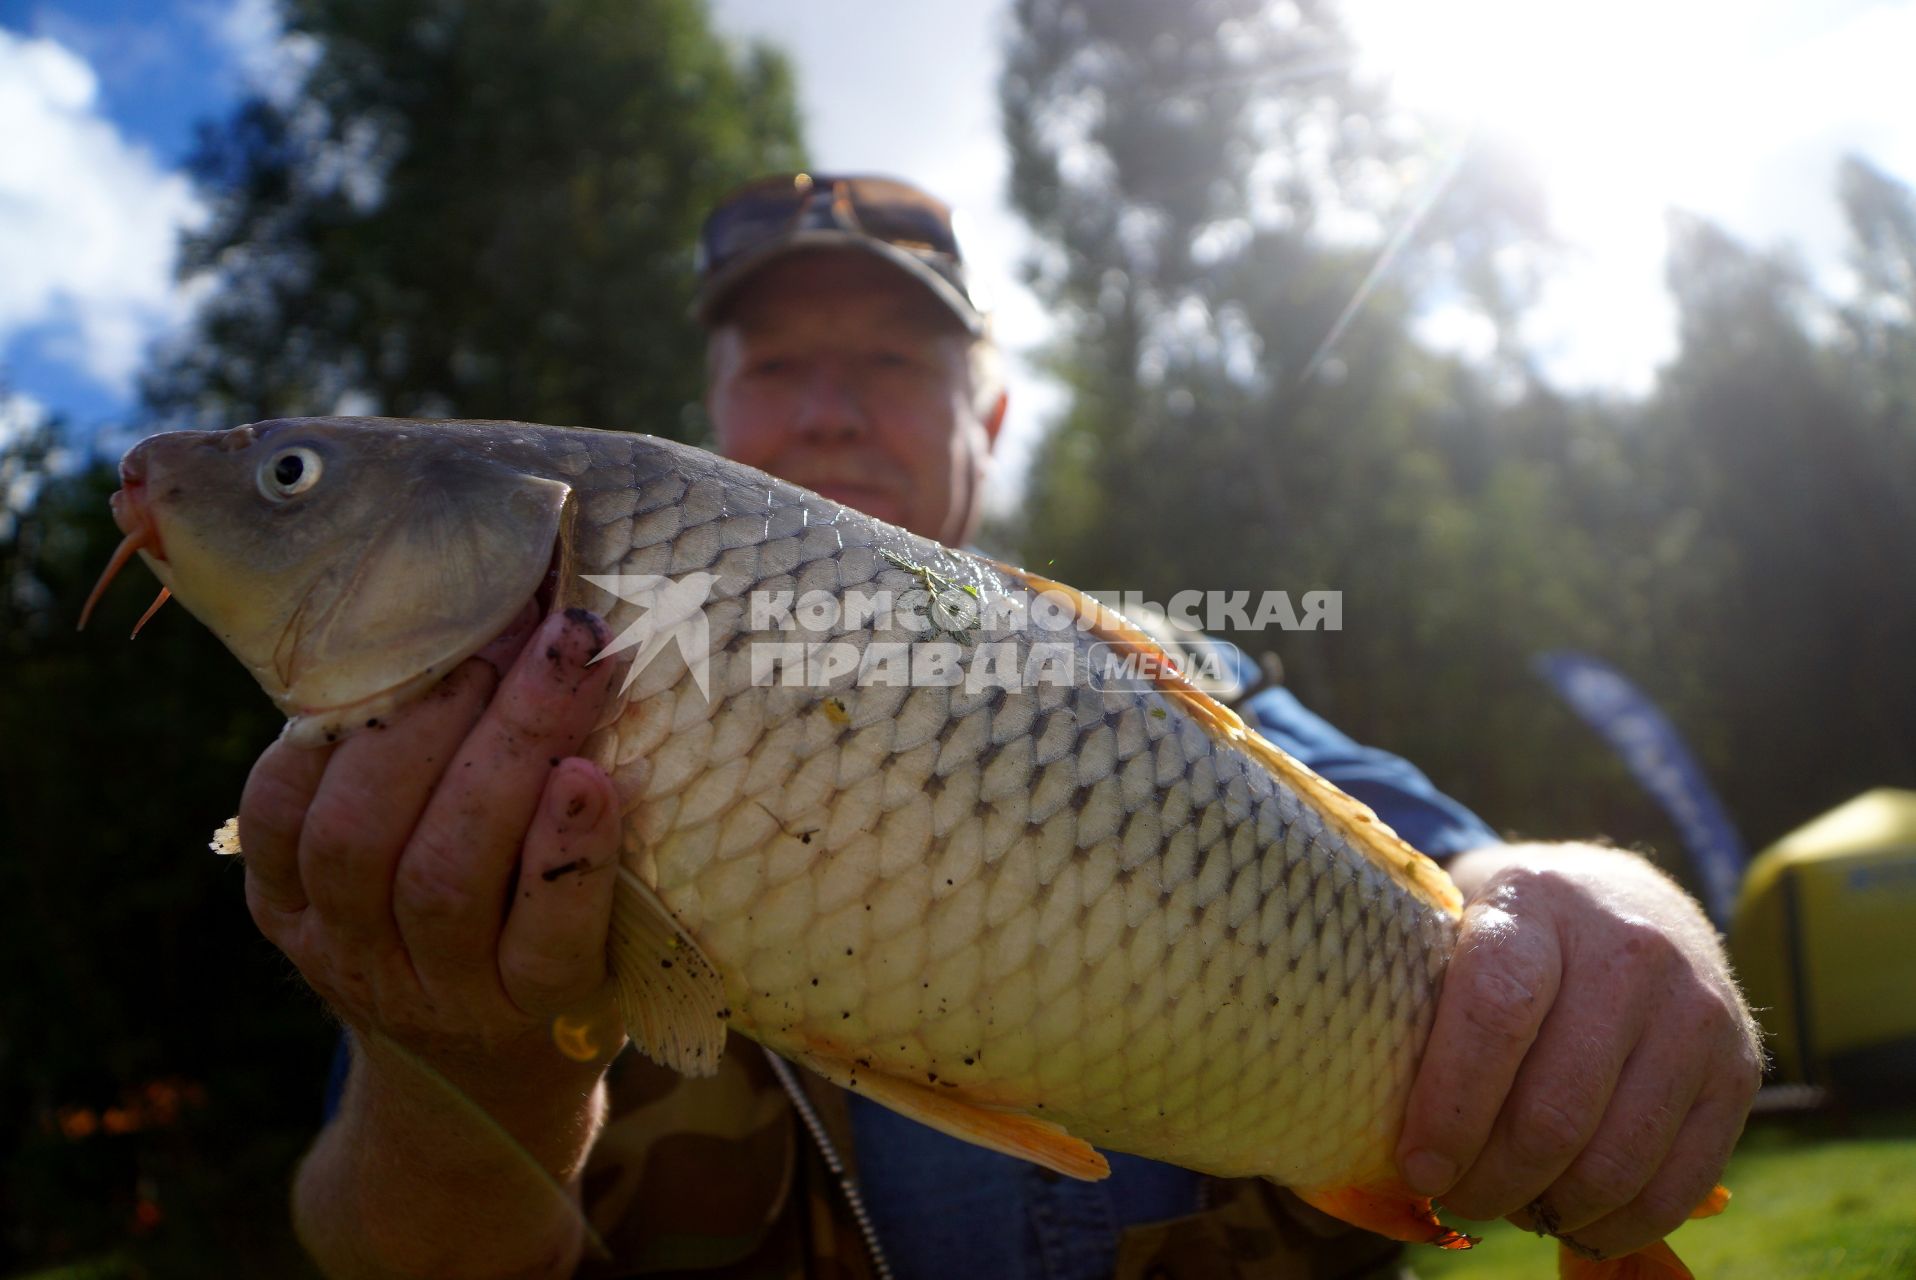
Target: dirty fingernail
{"x": 592, "y": 622}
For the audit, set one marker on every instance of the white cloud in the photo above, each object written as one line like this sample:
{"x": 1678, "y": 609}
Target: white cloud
{"x": 19, "y": 484}
{"x": 89, "y": 222}
{"x": 271, "y": 62}
{"x": 20, "y": 413}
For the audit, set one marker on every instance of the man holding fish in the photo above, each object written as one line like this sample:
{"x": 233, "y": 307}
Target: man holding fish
{"x": 1588, "y": 1068}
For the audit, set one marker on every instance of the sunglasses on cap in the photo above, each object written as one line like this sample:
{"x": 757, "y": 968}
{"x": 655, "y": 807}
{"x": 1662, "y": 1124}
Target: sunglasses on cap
{"x": 770, "y": 217}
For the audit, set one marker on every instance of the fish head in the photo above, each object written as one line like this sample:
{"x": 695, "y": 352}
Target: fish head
{"x": 348, "y": 563}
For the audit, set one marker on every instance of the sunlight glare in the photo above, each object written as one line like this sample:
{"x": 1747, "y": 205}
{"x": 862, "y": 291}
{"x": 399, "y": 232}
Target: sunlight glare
{"x": 1613, "y": 105}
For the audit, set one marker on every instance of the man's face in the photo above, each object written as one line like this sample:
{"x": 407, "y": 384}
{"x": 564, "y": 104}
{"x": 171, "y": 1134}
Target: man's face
{"x": 836, "y": 371}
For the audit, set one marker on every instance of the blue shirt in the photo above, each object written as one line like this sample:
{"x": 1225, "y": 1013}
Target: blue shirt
{"x": 943, "y": 1207}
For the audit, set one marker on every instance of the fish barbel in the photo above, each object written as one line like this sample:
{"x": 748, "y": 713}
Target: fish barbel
{"x": 1034, "y": 913}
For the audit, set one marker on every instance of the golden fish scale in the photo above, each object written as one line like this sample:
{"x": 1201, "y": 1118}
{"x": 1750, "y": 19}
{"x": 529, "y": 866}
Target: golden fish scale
{"x": 1072, "y": 901}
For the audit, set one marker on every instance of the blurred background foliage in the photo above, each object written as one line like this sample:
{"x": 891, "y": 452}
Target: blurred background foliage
{"x": 482, "y": 210}
{"x": 487, "y": 209}
{"x": 1740, "y": 541}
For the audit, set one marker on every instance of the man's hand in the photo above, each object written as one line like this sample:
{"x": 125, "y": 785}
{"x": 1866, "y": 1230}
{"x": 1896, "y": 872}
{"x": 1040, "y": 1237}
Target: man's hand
{"x": 445, "y": 880}
{"x": 1591, "y": 1061}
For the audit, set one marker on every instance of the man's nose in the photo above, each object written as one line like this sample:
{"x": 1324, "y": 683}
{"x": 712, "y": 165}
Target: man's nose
{"x": 831, "y": 405}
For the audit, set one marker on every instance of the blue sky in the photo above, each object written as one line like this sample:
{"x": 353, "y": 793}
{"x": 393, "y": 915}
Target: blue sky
{"x": 118, "y": 88}
{"x": 1737, "y": 109}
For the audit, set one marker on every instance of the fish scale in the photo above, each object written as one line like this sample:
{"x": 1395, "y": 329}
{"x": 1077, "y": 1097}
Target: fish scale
{"x": 1030, "y": 832}
{"x": 1034, "y": 917}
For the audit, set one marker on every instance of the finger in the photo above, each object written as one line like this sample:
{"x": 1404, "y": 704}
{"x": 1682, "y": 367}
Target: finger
{"x": 273, "y": 807}
{"x": 1699, "y": 1153}
{"x": 378, "y": 785}
{"x": 1658, "y": 1086}
{"x": 552, "y": 951}
{"x": 1502, "y": 981}
{"x": 449, "y": 891}
{"x": 1558, "y": 1099}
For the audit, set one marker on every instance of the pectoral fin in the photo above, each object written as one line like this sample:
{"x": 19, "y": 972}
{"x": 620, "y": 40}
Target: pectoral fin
{"x": 670, "y": 996}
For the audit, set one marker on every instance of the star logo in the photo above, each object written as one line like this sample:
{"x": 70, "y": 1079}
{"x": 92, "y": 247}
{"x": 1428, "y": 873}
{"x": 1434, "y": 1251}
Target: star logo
{"x": 674, "y": 613}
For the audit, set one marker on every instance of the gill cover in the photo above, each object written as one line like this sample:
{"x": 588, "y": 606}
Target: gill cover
{"x": 462, "y": 551}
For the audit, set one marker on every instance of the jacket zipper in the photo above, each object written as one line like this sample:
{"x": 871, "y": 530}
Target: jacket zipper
{"x": 788, "y": 1081}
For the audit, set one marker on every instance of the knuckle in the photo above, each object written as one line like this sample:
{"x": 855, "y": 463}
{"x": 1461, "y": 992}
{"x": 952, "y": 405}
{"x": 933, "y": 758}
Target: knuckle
{"x": 1640, "y": 941}
{"x": 271, "y": 804}
{"x": 1662, "y": 1209}
{"x": 1503, "y": 1003}
{"x": 1601, "y": 1180}
{"x": 329, "y": 830}
{"x": 1545, "y": 1129}
{"x": 432, "y": 882}
{"x": 1534, "y": 884}
{"x": 539, "y": 980}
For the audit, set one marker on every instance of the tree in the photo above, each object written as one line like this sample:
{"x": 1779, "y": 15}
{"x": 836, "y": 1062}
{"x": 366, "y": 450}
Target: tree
{"x": 482, "y": 210}
{"x": 1785, "y": 445}
{"x": 1193, "y": 173}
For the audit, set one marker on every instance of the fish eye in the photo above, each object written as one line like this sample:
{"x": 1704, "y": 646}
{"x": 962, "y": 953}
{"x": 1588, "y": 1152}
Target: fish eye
{"x": 289, "y": 472}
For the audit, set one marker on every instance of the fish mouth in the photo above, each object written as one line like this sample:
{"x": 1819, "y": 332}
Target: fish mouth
{"x": 134, "y": 516}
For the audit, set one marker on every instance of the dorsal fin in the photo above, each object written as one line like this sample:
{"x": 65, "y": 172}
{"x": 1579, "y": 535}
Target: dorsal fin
{"x": 1348, "y": 816}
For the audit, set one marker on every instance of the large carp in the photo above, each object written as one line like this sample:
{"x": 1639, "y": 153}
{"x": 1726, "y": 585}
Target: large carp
{"x": 953, "y": 836}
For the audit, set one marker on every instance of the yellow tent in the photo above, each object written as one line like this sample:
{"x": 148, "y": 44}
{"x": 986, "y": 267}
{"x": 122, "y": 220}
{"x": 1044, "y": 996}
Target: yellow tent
{"x": 1825, "y": 939}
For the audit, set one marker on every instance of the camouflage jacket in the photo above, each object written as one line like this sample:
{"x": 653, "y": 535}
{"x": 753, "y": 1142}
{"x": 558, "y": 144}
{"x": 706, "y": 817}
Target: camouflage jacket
{"x": 718, "y": 1179}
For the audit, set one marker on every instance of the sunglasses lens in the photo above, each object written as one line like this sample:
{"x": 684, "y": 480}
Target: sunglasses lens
{"x": 904, "y": 217}
{"x": 748, "y": 220}
{"x": 765, "y": 212}
{"x": 771, "y": 212}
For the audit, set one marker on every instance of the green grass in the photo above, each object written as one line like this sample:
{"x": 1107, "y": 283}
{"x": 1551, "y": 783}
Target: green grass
{"x": 1814, "y": 1199}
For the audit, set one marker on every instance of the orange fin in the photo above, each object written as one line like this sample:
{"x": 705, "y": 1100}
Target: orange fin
{"x": 1389, "y": 1209}
{"x": 1652, "y": 1262}
{"x": 1713, "y": 1203}
{"x": 1350, "y": 817}
{"x": 1009, "y": 1132}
